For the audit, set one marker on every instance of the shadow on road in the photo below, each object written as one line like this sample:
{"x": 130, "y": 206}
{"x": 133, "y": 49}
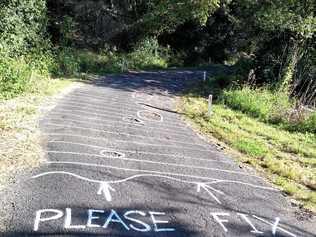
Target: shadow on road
{"x": 162, "y": 109}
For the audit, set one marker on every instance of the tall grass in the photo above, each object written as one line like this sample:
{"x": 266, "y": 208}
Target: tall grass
{"x": 289, "y": 158}
{"x": 261, "y": 103}
{"x": 270, "y": 106}
{"x": 24, "y": 73}
{"x": 14, "y": 77}
{"x": 305, "y": 125}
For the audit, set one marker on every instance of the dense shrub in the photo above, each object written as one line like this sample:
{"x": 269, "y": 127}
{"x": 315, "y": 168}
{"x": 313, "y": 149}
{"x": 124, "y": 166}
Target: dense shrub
{"x": 14, "y": 76}
{"x": 68, "y": 63}
{"x": 91, "y": 62}
{"x": 22, "y": 25}
{"x": 106, "y": 61}
{"x": 71, "y": 62}
{"x": 148, "y": 54}
{"x": 23, "y": 46}
{"x": 19, "y": 74}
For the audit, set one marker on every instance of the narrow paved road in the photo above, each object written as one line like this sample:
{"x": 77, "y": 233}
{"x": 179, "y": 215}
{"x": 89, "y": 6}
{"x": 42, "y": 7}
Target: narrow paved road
{"x": 121, "y": 162}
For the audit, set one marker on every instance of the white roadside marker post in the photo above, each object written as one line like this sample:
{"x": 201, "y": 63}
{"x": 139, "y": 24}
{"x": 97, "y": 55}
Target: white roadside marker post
{"x": 210, "y": 101}
{"x": 204, "y": 76}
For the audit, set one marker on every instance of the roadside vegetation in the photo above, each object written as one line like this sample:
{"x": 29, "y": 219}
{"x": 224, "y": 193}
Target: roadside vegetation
{"x": 271, "y": 107}
{"x": 20, "y": 146}
{"x": 147, "y": 54}
{"x": 258, "y": 124}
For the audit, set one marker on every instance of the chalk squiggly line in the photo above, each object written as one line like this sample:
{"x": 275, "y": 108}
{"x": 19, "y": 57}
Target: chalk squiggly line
{"x": 105, "y": 186}
{"x": 162, "y": 173}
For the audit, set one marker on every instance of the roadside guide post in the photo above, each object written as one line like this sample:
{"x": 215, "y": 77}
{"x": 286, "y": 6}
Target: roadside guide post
{"x": 210, "y": 101}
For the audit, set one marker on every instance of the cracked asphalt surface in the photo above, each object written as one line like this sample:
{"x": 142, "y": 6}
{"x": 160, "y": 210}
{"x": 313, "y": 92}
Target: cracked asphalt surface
{"x": 121, "y": 162}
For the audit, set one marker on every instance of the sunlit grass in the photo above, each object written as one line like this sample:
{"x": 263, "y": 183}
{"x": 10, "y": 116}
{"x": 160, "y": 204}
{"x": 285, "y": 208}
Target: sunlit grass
{"x": 288, "y": 158}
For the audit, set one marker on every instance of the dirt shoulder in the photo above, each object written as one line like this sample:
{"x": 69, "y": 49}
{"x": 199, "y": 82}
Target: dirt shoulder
{"x": 20, "y": 138}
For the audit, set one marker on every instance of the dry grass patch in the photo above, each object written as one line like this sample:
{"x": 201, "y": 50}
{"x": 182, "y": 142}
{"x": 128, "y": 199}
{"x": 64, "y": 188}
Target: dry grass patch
{"x": 20, "y": 146}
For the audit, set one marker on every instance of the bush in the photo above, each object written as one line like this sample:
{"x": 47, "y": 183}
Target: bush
{"x": 68, "y": 63}
{"x": 99, "y": 63}
{"x": 148, "y": 54}
{"x": 71, "y": 62}
{"x": 90, "y": 62}
{"x": 23, "y": 74}
{"x": 42, "y": 61}
{"x": 22, "y": 25}
{"x": 23, "y": 47}
{"x": 15, "y": 75}
{"x": 261, "y": 103}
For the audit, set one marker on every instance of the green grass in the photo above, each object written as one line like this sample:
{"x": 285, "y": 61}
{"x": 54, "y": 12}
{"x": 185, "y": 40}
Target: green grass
{"x": 250, "y": 147}
{"x": 260, "y": 103}
{"x": 270, "y": 107}
{"x": 287, "y": 158}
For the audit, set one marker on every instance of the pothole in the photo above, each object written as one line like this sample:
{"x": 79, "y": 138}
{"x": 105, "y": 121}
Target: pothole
{"x": 134, "y": 120}
{"x": 112, "y": 154}
{"x": 150, "y": 116}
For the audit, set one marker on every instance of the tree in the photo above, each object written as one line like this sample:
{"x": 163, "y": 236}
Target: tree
{"x": 296, "y": 18}
{"x": 22, "y": 25}
{"x": 167, "y": 15}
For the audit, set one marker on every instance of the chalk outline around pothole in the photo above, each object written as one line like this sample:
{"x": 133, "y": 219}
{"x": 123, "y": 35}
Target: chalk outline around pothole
{"x": 150, "y": 120}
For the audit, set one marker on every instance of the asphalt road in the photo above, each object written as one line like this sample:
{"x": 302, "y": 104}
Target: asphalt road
{"x": 121, "y": 162}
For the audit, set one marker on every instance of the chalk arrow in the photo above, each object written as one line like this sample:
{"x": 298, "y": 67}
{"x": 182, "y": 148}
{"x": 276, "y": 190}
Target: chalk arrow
{"x": 208, "y": 190}
{"x": 106, "y": 189}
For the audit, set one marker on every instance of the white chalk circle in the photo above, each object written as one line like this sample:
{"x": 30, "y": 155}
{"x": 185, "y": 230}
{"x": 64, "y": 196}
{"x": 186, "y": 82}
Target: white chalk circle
{"x": 151, "y": 116}
{"x": 111, "y": 153}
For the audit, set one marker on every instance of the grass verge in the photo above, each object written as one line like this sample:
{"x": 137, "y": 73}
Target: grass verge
{"x": 287, "y": 158}
{"x": 19, "y": 133}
